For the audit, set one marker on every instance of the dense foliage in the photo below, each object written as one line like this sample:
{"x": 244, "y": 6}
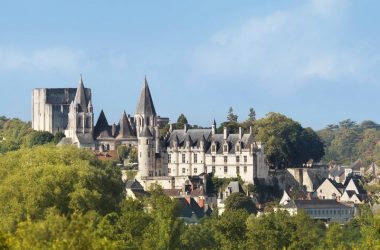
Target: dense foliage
{"x": 286, "y": 142}
{"x": 347, "y": 141}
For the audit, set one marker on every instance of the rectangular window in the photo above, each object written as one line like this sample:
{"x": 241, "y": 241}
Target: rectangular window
{"x": 238, "y": 148}
{"x": 195, "y": 170}
{"x": 213, "y": 159}
{"x": 213, "y": 169}
{"x": 237, "y": 170}
{"x": 245, "y": 159}
{"x": 169, "y": 158}
{"x": 195, "y": 158}
{"x": 148, "y": 154}
{"x": 225, "y": 148}
{"x": 213, "y": 148}
{"x": 183, "y": 170}
{"x": 183, "y": 158}
{"x": 169, "y": 170}
{"x": 245, "y": 169}
{"x": 225, "y": 158}
{"x": 237, "y": 159}
{"x": 225, "y": 169}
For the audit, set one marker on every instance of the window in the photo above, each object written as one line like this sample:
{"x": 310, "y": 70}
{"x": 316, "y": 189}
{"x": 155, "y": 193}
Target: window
{"x": 149, "y": 154}
{"x": 169, "y": 170}
{"x": 237, "y": 170}
{"x": 147, "y": 141}
{"x": 237, "y": 159}
{"x": 225, "y": 158}
{"x": 195, "y": 170}
{"x": 169, "y": 158}
{"x": 213, "y": 169}
{"x": 213, "y": 148}
{"x": 238, "y": 148}
{"x": 213, "y": 159}
{"x": 225, "y": 169}
{"x": 245, "y": 159}
{"x": 195, "y": 158}
{"x": 225, "y": 148}
{"x": 183, "y": 170}
{"x": 79, "y": 122}
{"x": 87, "y": 122}
{"x": 183, "y": 158}
{"x": 245, "y": 169}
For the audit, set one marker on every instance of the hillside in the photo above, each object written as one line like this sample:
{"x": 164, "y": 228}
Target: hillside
{"x": 347, "y": 141}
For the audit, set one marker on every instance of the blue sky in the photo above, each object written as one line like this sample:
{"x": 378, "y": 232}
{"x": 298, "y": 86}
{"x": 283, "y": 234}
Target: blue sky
{"x": 316, "y": 61}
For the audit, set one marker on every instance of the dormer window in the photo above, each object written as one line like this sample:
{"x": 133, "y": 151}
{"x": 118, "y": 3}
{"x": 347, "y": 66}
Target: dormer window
{"x": 225, "y": 148}
{"x": 213, "y": 148}
{"x": 237, "y": 148}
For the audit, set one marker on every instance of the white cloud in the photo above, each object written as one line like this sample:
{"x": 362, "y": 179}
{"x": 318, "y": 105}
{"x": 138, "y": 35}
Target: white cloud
{"x": 49, "y": 59}
{"x": 288, "y": 48}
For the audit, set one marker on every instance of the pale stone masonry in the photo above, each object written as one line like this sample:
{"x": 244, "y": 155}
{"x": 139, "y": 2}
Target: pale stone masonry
{"x": 168, "y": 161}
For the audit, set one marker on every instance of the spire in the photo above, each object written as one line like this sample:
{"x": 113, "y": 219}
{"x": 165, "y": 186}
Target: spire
{"x": 214, "y": 122}
{"x": 125, "y": 127}
{"x": 145, "y": 105}
{"x": 101, "y": 125}
{"x": 80, "y": 97}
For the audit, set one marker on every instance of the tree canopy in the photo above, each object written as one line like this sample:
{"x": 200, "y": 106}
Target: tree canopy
{"x": 286, "y": 142}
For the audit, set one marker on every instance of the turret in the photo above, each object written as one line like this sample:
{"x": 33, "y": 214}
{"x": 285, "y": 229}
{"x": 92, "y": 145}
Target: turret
{"x": 145, "y": 152}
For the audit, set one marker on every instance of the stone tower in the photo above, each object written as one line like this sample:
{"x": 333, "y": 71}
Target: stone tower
{"x": 81, "y": 118}
{"x": 146, "y": 154}
{"x": 145, "y": 112}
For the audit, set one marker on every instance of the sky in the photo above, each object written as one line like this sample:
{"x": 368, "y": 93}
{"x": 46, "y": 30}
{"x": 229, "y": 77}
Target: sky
{"x": 316, "y": 61}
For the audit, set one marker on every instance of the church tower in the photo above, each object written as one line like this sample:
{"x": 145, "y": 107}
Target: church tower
{"x": 145, "y": 112}
{"x": 81, "y": 117}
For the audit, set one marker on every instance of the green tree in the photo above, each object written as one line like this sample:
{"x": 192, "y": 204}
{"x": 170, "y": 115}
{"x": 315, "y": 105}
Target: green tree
{"x": 68, "y": 179}
{"x": 39, "y": 138}
{"x": 286, "y": 142}
{"x": 240, "y": 201}
{"x": 58, "y": 137}
{"x": 251, "y": 115}
{"x": 231, "y": 117}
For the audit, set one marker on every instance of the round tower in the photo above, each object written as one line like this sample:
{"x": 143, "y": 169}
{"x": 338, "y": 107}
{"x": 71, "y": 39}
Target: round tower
{"x": 145, "y": 152}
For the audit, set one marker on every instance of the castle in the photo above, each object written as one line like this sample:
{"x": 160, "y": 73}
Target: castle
{"x": 168, "y": 161}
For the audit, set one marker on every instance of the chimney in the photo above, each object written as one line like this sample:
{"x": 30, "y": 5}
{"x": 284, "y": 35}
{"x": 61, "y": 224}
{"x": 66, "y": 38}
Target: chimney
{"x": 250, "y": 130}
{"x": 213, "y": 127}
{"x": 240, "y": 133}
{"x": 225, "y": 135}
{"x": 185, "y": 127}
{"x": 170, "y": 127}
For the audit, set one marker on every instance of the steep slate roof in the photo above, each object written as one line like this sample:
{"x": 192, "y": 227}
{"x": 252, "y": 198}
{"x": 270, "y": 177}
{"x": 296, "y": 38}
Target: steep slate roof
{"x": 125, "y": 127}
{"x": 102, "y": 128}
{"x": 357, "y": 165}
{"x": 80, "y": 97}
{"x": 145, "y": 104}
{"x": 134, "y": 185}
{"x": 234, "y": 187}
{"x": 196, "y": 136}
{"x": 146, "y": 132}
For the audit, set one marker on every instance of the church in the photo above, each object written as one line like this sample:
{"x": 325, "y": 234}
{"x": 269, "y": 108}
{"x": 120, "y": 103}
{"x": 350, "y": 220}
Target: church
{"x": 170, "y": 161}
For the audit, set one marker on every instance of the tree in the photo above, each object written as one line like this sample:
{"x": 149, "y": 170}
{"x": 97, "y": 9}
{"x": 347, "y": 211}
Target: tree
{"x": 133, "y": 155}
{"x": 286, "y": 141}
{"x": 58, "y": 137}
{"x": 68, "y": 179}
{"x": 231, "y": 117}
{"x": 251, "y": 115}
{"x": 181, "y": 121}
{"x": 240, "y": 201}
{"x": 40, "y": 138}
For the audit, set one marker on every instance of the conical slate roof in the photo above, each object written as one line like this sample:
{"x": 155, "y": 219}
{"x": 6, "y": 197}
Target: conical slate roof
{"x": 145, "y": 104}
{"x": 101, "y": 126}
{"x": 146, "y": 132}
{"x": 125, "y": 127}
{"x": 80, "y": 97}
